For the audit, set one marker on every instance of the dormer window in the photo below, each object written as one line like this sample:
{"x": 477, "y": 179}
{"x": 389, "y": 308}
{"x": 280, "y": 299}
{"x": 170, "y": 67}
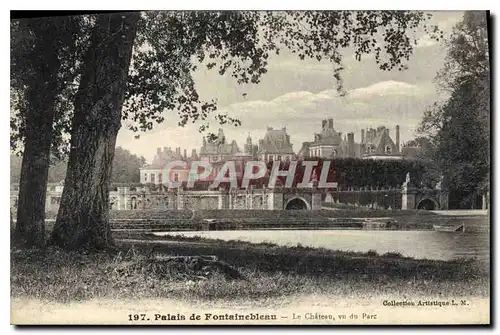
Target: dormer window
{"x": 368, "y": 149}
{"x": 388, "y": 150}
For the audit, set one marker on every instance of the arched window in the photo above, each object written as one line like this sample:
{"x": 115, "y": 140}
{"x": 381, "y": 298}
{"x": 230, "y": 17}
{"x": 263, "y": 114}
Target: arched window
{"x": 388, "y": 150}
{"x": 369, "y": 149}
{"x": 334, "y": 154}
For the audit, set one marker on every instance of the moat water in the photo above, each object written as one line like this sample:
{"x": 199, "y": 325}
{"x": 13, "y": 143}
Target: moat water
{"x": 429, "y": 244}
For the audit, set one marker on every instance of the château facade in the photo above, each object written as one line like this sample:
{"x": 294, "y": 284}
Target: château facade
{"x": 329, "y": 143}
{"x": 276, "y": 145}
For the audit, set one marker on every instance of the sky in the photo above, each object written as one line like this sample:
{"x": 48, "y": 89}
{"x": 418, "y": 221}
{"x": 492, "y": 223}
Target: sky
{"x": 299, "y": 94}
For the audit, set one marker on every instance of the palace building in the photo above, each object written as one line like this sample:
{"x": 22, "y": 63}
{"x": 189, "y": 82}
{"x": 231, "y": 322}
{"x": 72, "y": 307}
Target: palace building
{"x": 328, "y": 143}
{"x": 275, "y": 145}
{"x": 219, "y": 150}
{"x": 377, "y": 144}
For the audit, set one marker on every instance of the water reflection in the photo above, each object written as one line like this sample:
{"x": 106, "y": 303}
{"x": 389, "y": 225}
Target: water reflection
{"x": 473, "y": 243}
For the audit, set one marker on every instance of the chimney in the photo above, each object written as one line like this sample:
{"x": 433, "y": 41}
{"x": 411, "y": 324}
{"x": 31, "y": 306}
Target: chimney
{"x": 185, "y": 154}
{"x": 165, "y": 149}
{"x": 330, "y": 123}
{"x": 178, "y": 150}
{"x": 362, "y": 135}
{"x": 158, "y": 150}
{"x": 323, "y": 124}
{"x": 350, "y": 144}
{"x": 194, "y": 155}
{"x": 397, "y": 137}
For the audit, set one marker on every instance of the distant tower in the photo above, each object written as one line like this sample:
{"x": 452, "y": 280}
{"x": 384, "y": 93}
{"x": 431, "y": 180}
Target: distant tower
{"x": 397, "y": 138}
{"x": 221, "y": 138}
{"x": 194, "y": 155}
{"x": 248, "y": 145}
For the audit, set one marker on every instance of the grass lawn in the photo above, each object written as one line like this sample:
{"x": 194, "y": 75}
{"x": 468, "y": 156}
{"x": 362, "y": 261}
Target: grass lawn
{"x": 268, "y": 272}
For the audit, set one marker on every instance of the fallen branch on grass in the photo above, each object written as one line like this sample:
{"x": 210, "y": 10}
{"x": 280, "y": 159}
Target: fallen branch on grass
{"x": 178, "y": 267}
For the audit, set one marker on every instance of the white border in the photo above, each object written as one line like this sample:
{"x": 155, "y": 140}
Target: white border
{"x": 205, "y": 5}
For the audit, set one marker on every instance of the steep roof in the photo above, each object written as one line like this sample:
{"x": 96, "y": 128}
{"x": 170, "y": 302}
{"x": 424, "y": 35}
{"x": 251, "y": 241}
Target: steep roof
{"x": 276, "y": 141}
{"x": 304, "y": 151}
{"x": 379, "y": 142}
{"x": 163, "y": 157}
{"x": 382, "y": 140}
{"x": 220, "y": 146}
{"x": 328, "y": 136}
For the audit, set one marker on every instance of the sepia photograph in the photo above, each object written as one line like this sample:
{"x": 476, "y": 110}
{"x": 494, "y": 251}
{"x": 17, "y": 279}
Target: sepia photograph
{"x": 250, "y": 167}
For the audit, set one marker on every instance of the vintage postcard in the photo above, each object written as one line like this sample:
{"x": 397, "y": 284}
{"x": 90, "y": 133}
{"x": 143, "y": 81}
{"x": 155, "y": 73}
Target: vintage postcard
{"x": 250, "y": 168}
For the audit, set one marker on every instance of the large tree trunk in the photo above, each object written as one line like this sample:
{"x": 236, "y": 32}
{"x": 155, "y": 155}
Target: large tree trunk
{"x": 40, "y": 110}
{"x": 82, "y": 221}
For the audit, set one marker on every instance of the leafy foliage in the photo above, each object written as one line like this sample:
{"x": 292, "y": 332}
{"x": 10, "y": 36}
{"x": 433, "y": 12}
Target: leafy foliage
{"x": 171, "y": 45}
{"x": 349, "y": 173}
{"x": 125, "y": 168}
{"x": 459, "y": 129}
{"x": 71, "y": 38}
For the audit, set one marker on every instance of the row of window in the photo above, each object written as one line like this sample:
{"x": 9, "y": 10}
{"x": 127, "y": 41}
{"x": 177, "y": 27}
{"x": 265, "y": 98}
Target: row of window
{"x": 317, "y": 153}
{"x": 387, "y": 149}
{"x": 153, "y": 177}
{"x": 369, "y": 149}
{"x": 272, "y": 158}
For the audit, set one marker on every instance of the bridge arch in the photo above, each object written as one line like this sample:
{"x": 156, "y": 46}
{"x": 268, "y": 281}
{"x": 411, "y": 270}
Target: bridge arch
{"x": 428, "y": 204}
{"x": 297, "y": 203}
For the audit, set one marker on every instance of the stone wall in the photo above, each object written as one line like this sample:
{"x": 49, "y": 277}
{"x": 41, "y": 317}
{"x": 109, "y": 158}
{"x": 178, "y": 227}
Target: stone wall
{"x": 140, "y": 198}
{"x": 368, "y": 198}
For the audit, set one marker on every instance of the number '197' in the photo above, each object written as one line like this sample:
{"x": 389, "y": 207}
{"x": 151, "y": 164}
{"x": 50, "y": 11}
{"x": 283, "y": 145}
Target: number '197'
{"x": 137, "y": 317}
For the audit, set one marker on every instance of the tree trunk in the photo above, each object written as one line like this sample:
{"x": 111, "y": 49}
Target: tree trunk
{"x": 40, "y": 110}
{"x": 83, "y": 218}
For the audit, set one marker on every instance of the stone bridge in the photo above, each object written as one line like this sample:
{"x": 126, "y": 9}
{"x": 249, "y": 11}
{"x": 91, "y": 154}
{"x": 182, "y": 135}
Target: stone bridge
{"x": 126, "y": 198}
{"x": 429, "y": 199}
